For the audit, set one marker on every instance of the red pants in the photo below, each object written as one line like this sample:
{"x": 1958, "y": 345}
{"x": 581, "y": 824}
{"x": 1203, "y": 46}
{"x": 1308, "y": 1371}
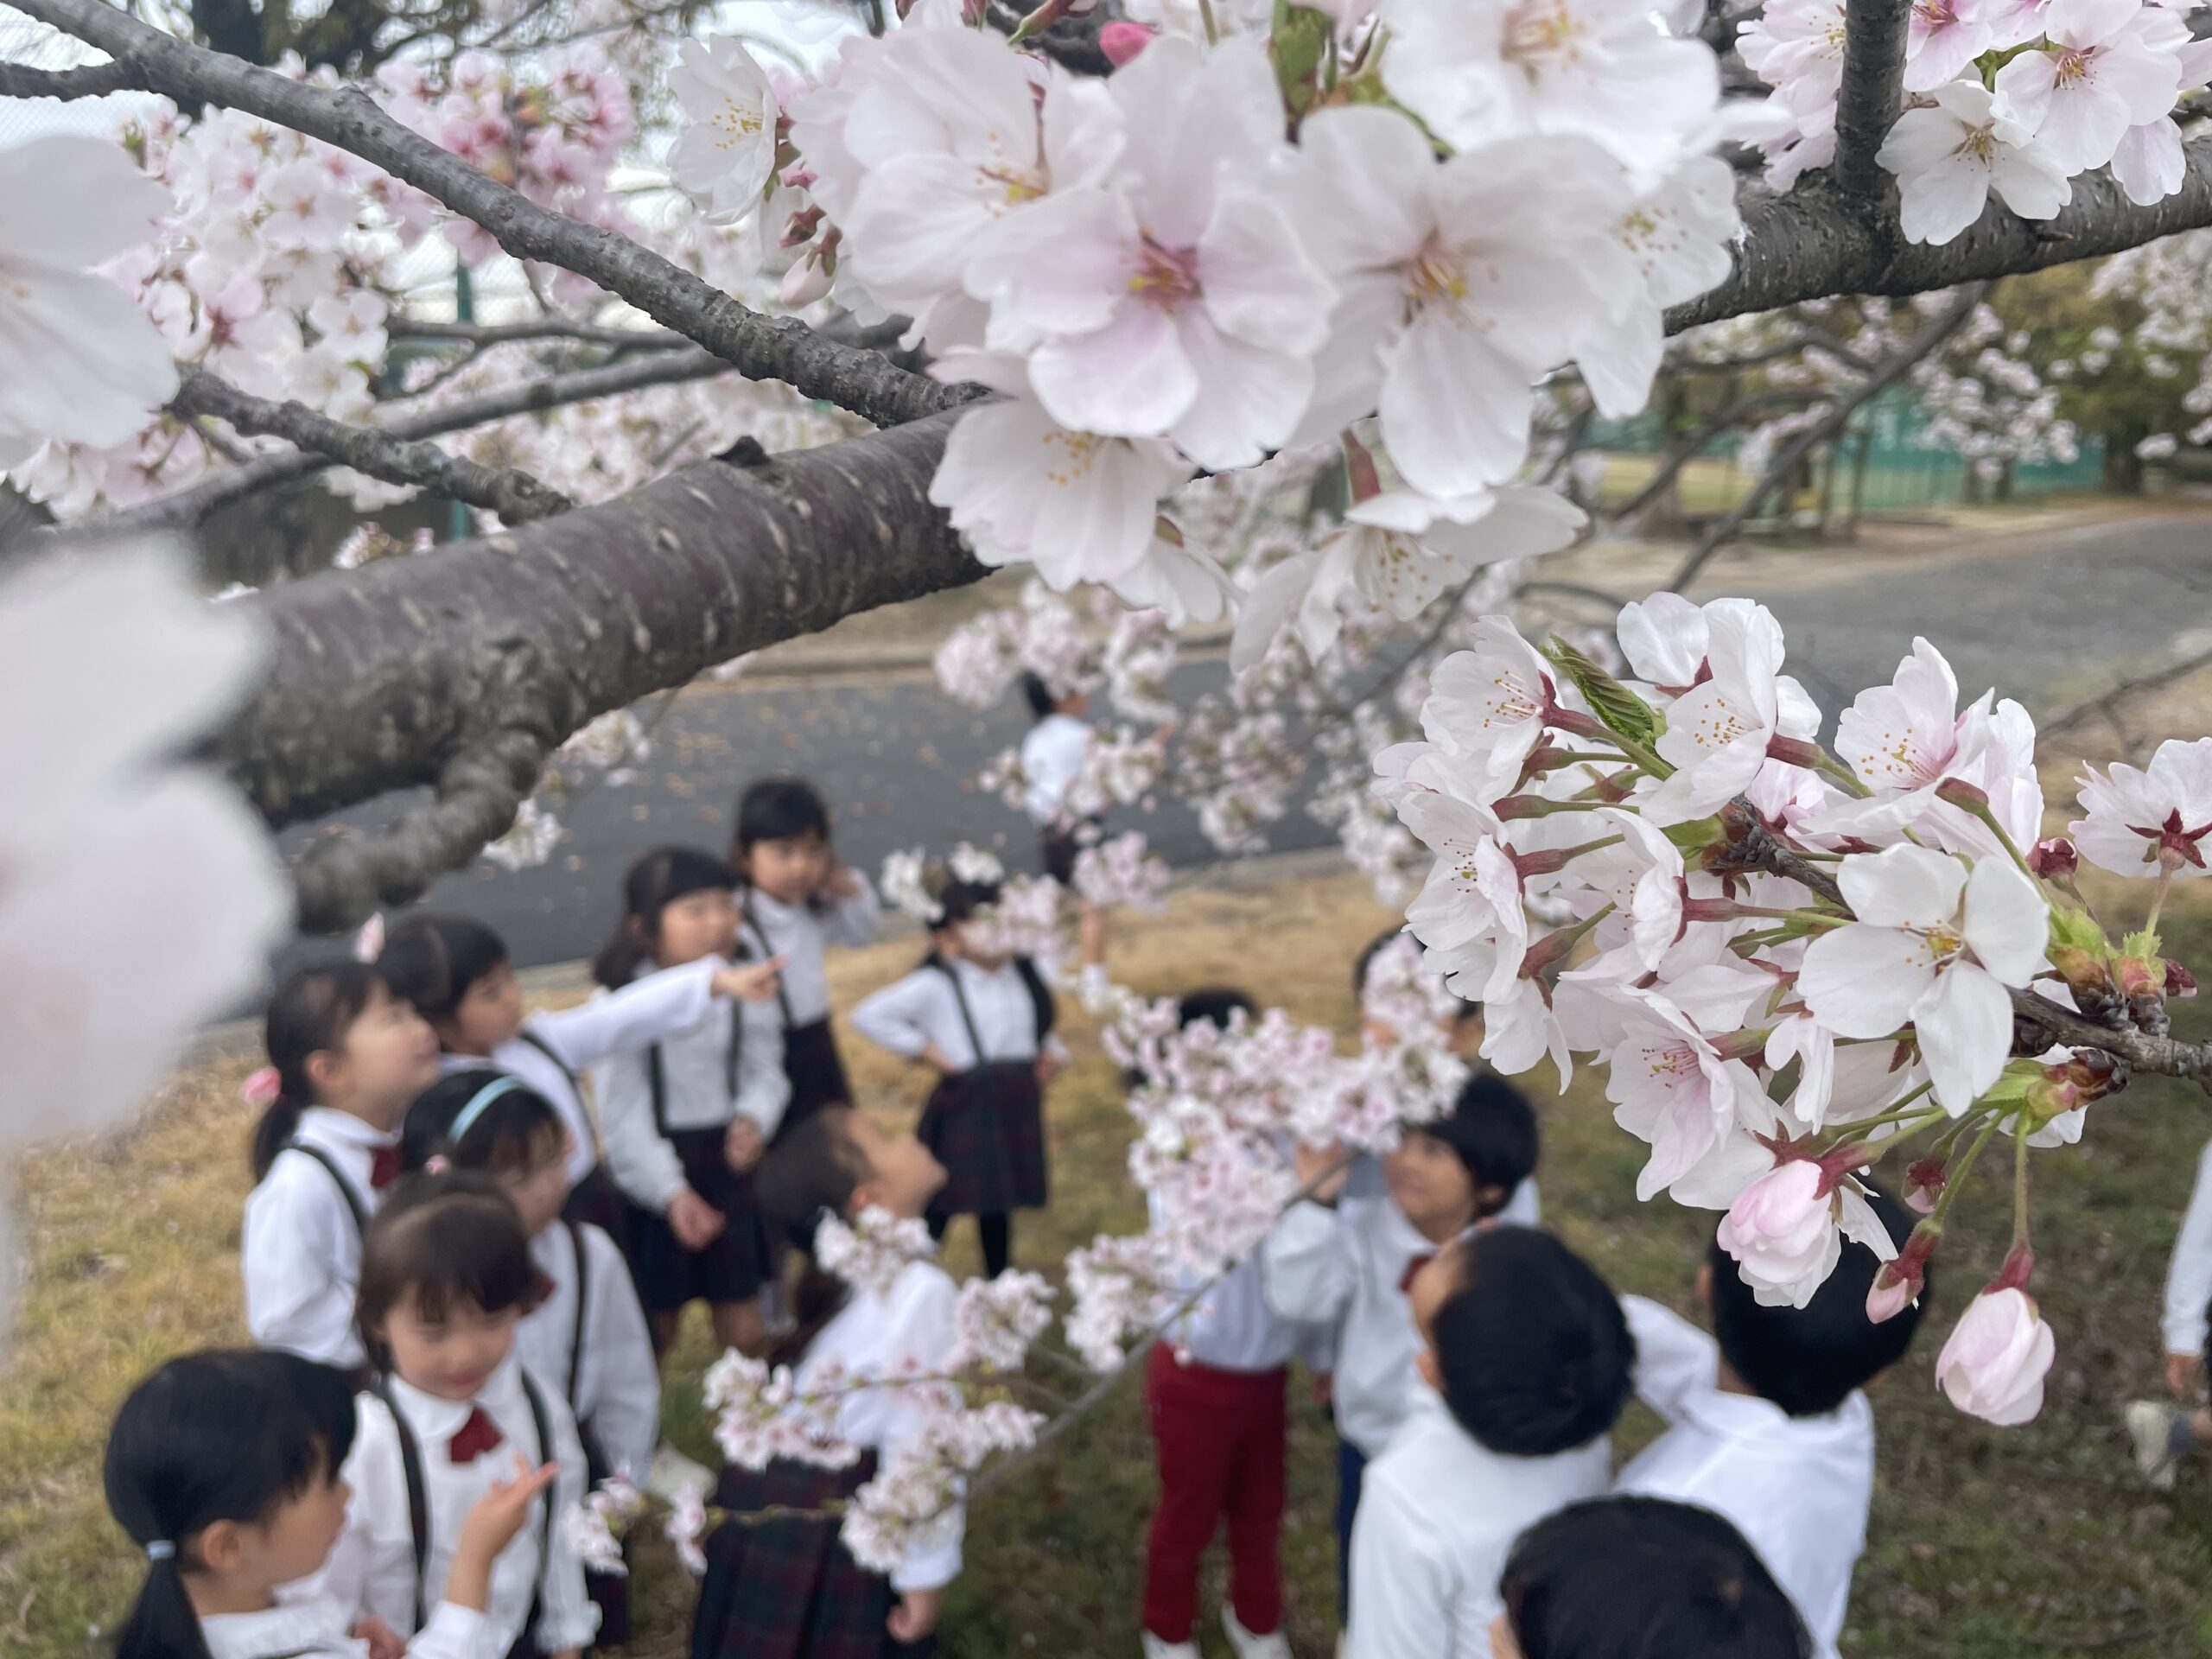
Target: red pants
{"x": 1221, "y": 1437}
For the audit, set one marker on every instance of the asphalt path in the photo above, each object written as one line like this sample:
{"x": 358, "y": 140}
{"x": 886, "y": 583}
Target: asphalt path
{"x": 897, "y": 758}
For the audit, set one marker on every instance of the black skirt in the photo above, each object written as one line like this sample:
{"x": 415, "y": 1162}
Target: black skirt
{"x": 817, "y": 1073}
{"x": 986, "y": 1127}
{"x": 789, "y": 1589}
{"x": 733, "y": 1268}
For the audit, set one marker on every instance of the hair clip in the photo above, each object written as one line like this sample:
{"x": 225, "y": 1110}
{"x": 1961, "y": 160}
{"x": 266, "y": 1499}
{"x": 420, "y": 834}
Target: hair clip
{"x": 261, "y": 1087}
{"x": 160, "y": 1550}
{"x": 436, "y": 1164}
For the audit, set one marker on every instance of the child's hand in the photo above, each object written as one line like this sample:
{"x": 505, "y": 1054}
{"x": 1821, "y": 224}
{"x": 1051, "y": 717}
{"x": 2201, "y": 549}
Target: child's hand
{"x": 384, "y": 1641}
{"x": 488, "y": 1528}
{"x": 695, "y": 1223}
{"x": 1309, "y": 1164}
{"x": 913, "y": 1616}
{"x": 841, "y": 882}
{"x": 748, "y": 981}
{"x": 2182, "y": 1371}
{"x": 1049, "y": 1065}
{"x": 743, "y": 1146}
{"x": 1323, "y": 1385}
{"x": 938, "y": 1061}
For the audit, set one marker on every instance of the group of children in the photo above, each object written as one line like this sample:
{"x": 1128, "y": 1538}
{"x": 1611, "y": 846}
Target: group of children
{"x": 461, "y": 1282}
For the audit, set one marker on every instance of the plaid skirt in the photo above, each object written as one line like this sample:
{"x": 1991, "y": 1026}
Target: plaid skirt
{"x": 733, "y": 1268}
{"x": 816, "y": 1074}
{"x": 986, "y": 1127}
{"x": 788, "y": 1589}
{"x": 1061, "y": 844}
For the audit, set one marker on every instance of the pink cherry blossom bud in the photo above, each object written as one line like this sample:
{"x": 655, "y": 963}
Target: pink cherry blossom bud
{"x": 1924, "y": 1183}
{"x": 2180, "y": 982}
{"x": 1892, "y": 1294}
{"x": 1995, "y": 1364}
{"x": 1960, "y": 793}
{"x": 1120, "y": 43}
{"x": 2140, "y": 977}
{"x": 261, "y": 1087}
{"x": 805, "y": 283}
{"x": 1782, "y": 1231}
{"x": 2054, "y": 857}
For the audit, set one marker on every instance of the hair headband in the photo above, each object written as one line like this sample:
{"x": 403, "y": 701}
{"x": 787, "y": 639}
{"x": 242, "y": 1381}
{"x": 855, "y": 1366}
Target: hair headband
{"x": 465, "y": 1119}
{"x": 160, "y": 1550}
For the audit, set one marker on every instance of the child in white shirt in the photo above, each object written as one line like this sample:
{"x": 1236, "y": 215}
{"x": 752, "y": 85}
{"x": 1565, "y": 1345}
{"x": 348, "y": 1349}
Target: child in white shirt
{"x": 790, "y": 1587}
{"x": 1642, "y": 1578}
{"x": 2163, "y": 1433}
{"x": 1767, "y": 1421}
{"x": 223, "y": 1467}
{"x": 1523, "y": 1369}
{"x": 795, "y": 898}
{"x": 445, "y": 1283}
{"x": 1352, "y": 1262}
{"x": 983, "y": 1020}
{"x": 345, "y": 1056}
{"x": 1053, "y": 756}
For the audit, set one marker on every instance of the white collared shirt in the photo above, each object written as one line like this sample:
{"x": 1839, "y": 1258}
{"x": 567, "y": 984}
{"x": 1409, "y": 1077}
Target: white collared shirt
{"x": 907, "y": 1016}
{"x": 319, "y": 1626}
{"x": 1230, "y": 1327}
{"x": 371, "y": 1570}
{"x": 611, "y": 1023}
{"x": 615, "y": 1387}
{"x": 2188, "y": 1275}
{"x": 1439, "y": 1512}
{"x": 1798, "y": 1487}
{"x": 799, "y": 934}
{"x": 1052, "y": 760}
{"x": 694, "y": 1078}
{"x": 910, "y": 1329}
{"x": 300, "y": 1248}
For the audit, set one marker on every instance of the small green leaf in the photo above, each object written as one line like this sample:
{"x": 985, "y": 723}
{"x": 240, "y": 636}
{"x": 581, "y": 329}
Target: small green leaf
{"x": 2143, "y": 944}
{"x": 1301, "y": 37}
{"x": 1624, "y": 713}
{"x": 2072, "y": 928}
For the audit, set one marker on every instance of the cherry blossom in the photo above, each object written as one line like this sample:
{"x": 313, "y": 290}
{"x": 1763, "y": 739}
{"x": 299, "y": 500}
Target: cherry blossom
{"x": 995, "y": 1321}
{"x": 1942, "y": 38}
{"x": 2104, "y": 77}
{"x": 1673, "y": 1088}
{"x": 1949, "y": 157}
{"x": 2138, "y": 820}
{"x": 1780, "y": 1231}
{"x": 1993, "y": 1366}
{"x": 872, "y": 1250}
{"x": 1719, "y": 730}
{"x": 725, "y": 152}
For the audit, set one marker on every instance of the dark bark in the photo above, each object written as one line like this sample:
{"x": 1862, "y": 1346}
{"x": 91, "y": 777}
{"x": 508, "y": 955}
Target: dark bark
{"x": 1866, "y": 104}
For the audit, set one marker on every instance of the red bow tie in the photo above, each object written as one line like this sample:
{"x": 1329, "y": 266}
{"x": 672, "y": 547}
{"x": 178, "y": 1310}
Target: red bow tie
{"x": 541, "y": 1289}
{"x": 474, "y": 1438}
{"x": 1412, "y": 1267}
{"x": 383, "y": 1167}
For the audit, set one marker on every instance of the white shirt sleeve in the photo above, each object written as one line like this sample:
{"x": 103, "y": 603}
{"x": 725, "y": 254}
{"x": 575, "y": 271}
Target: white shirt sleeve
{"x": 625, "y": 1406}
{"x": 897, "y": 1017}
{"x": 1674, "y": 1358}
{"x": 934, "y": 1562}
{"x": 852, "y": 920}
{"x": 642, "y": 1013}
{"x": 764, "y": 1089}
{"x": 2188, "y": 1275}
{"x": 455, "y": 1633}
{"x": 643, "y": 1164}
{"x": 568, "y": 1617}
{"x": 1306, "y": 1264}
{"x": 1403, "y": 1588}
{"x": 288, "y": 1251}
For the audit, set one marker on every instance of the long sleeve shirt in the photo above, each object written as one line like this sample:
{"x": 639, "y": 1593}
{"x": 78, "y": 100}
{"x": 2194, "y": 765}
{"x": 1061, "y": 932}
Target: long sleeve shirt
{"x": 293, "y": 1629}
{"x": 907, "y": 1016}
{"x": 2188, "y": 1274}
{"x": 372, "y": 1569}
{"x": 696, "y": 1094}
{"x": 1231, "y": 1327}
{"x": 616, "y": 1022}
{"x": 800, "y": 935}
{"x": 907, "y": 1329}
{"x": 1798, "y": 1487}
{"x": 300, "y": 1249}
{"x": 1052, "y": 760}
{"x": 1439, "y": 1512}
{"x": 603, "y": 1367}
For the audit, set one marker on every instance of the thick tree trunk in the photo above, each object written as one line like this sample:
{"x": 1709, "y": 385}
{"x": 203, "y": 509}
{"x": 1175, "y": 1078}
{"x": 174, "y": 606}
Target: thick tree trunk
{"x": 2123, "y": 470}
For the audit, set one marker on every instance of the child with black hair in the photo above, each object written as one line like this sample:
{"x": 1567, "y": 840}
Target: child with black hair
{"x": 446, "y": 1281}
{"x": 796, "y": 897}
{"x": 585, "y": 1333}
{"x": 1351, "y": 1262}
{"x": 1053, "y": 756}
{"x": 457, "y": 972}
{"x": 347, "y": 1056}
{"x": 1641, "y": 1577}
{"x": 686, "y": 1117}
{"x": 789, "y": 1588}
{"x": 223, "y": 1467}
{"x": 1523, "y": 1370}
{"x": 982, "y": 1020}
{"x": 1767, "y": 1422}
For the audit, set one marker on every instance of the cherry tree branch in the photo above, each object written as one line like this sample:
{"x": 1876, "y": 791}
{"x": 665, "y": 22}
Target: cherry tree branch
{"x": 501, "y": 333}
{"x": 762, "y": 348}
{"x": 513, "y": 494}
{"x": 1688, "y": 450}
{"x": 90, "y": 80}
{"x": 1867, "y": 101}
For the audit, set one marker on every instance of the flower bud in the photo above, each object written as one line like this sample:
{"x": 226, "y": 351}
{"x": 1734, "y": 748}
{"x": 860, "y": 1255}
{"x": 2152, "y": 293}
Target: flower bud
{"x": 806, "y": 282}
{"x": 2054, "y": 857}
{"x": 1782, "y": 1231}
{"x": 1122, "y": 42}
{"x": 1923, "y": 1183}
{"x": 1892, "y": 1293}
{"x": 2180, "y": 982}
{"x": 1960, "y": 793}
{"x": 1994, "y": 1364}
{"x": 2140, "y": 977}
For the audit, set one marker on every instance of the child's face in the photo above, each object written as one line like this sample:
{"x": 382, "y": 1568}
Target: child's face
{"x": 903, "y": 1175}
{"x": 1429, "y": 1183}
{"x": 977, "y": 942}
{"x": 699, "y": 925}
{"x": 789, "y": 870}
{"x": 540, "y": 1187}
{"x": 297, "y": 1539}
{"x": 489, "y": 1013}
{"x": 389, "y": 1056}
{"x": 451, "y": 1356}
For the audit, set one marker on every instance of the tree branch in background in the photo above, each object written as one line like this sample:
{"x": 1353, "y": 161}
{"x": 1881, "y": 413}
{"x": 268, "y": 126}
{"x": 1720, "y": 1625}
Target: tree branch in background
{"x": 1866, "y": 104}
{"x": 514, "y": 495}
{"x": 1932, "y": 334}
{"x": 502, "y": 334}
{"x": 92, "y": 80}
{"x": 2108, "y": 702}
{"x": 1687, "y": 451}
{"x": 762, "y": 348}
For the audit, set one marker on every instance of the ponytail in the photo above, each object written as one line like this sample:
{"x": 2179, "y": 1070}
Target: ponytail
{"x": 655, "y": 882}
{"x": 161, "y": 1624}
{"x": 310, "y": 1013}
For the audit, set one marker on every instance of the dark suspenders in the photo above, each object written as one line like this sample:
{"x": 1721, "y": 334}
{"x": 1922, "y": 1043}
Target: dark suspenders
{"x": 418, "y": 1495}
{"x": 576, "y": 1335}
{"x": 345, "y": 1187}
{"x": 745, "y": 914}
{"x": 576, "y": 1086}
{"x": 1039, "y": 997}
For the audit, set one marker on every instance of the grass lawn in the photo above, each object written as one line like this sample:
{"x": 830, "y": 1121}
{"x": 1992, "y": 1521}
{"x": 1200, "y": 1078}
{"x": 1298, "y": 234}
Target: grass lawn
{"x": 1987, "y": 1543}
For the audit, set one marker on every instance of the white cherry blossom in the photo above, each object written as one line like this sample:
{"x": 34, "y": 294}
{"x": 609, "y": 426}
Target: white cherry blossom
{"x": 1942, "y": 38}
{"x": 1671, "y": 1089}
{"x": 2103, "y": 75}
{"x": 1949, "y": 157}
{"x": 726, "y": 149}
{"x": 2140, "y": 820}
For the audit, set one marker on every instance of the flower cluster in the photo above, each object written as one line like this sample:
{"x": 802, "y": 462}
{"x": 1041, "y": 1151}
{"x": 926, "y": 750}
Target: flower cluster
{"x": 1119, "y": 871}
{"x": 872, "y": 1250}
{"x": 996, "y": 1319}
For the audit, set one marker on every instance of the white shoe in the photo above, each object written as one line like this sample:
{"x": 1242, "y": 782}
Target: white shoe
{"x": 2149, "y": 1432}
{"x": 672, "y": 1476}
{"x": 1156, "y": 1647}
{"x": 1274, "y": 1645}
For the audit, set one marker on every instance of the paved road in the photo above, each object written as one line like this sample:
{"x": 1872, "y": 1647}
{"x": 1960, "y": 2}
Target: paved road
{"x": 897, "y": 758}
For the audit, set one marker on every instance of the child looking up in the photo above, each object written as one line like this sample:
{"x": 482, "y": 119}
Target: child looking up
{"x": 223, "y": 1467}
{"x": 1640, "y": 1578}
{"x": 1767, "y": 1421}
{"x": 796, "y": 898}
{"x": 348, "y": 1056}
{"x": 1523, "y": 1369}
{"x": 983, "y": 1020}
{"x": 789, "y": 1588}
